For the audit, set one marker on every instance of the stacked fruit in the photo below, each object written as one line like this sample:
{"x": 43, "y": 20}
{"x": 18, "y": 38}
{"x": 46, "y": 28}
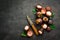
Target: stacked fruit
{"x": 44, "y": 18}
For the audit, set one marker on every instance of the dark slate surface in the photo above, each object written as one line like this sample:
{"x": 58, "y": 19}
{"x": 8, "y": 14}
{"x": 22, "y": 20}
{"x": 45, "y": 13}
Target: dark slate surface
{"x": 13, "y": 19}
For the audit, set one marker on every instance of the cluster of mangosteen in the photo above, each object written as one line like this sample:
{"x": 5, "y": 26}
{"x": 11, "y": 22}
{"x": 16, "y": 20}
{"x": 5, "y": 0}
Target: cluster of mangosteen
{"x": 43, "y": 18}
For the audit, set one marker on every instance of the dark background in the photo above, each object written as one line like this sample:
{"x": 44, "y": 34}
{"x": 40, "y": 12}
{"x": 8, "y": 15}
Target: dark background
{"x": 13, "y": 19}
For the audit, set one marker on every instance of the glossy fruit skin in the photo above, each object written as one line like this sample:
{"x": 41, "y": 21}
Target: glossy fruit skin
{"x": 43, "y": 10}
{"x": 45, "y": 19}
{"x": 48, "y": 8}
{"x": 29, "y": 33}
{"x": 48, "y": 29}
{"x": 38, "y": 7}
{"x": 38, "y": 21}
{"x": 50, "y": 22}
{"x": 40, "y": 32}
{"x": 26, "y": 28}
{"x": 44, "y": 26}
{"x": 49, "y": 13}
{"x": 39, "y": 14}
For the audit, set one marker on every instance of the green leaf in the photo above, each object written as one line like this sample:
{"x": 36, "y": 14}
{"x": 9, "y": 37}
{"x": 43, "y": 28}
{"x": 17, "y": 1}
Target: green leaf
{"x": 34, "y": 11}
{"x": 24, "y": 34}
{"x": 52, "y": 26}
{"x": 52, "y": 15}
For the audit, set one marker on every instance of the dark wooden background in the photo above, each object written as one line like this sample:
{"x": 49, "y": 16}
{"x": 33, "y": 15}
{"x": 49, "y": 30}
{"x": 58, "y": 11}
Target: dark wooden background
{"x": 13, "y": 19}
